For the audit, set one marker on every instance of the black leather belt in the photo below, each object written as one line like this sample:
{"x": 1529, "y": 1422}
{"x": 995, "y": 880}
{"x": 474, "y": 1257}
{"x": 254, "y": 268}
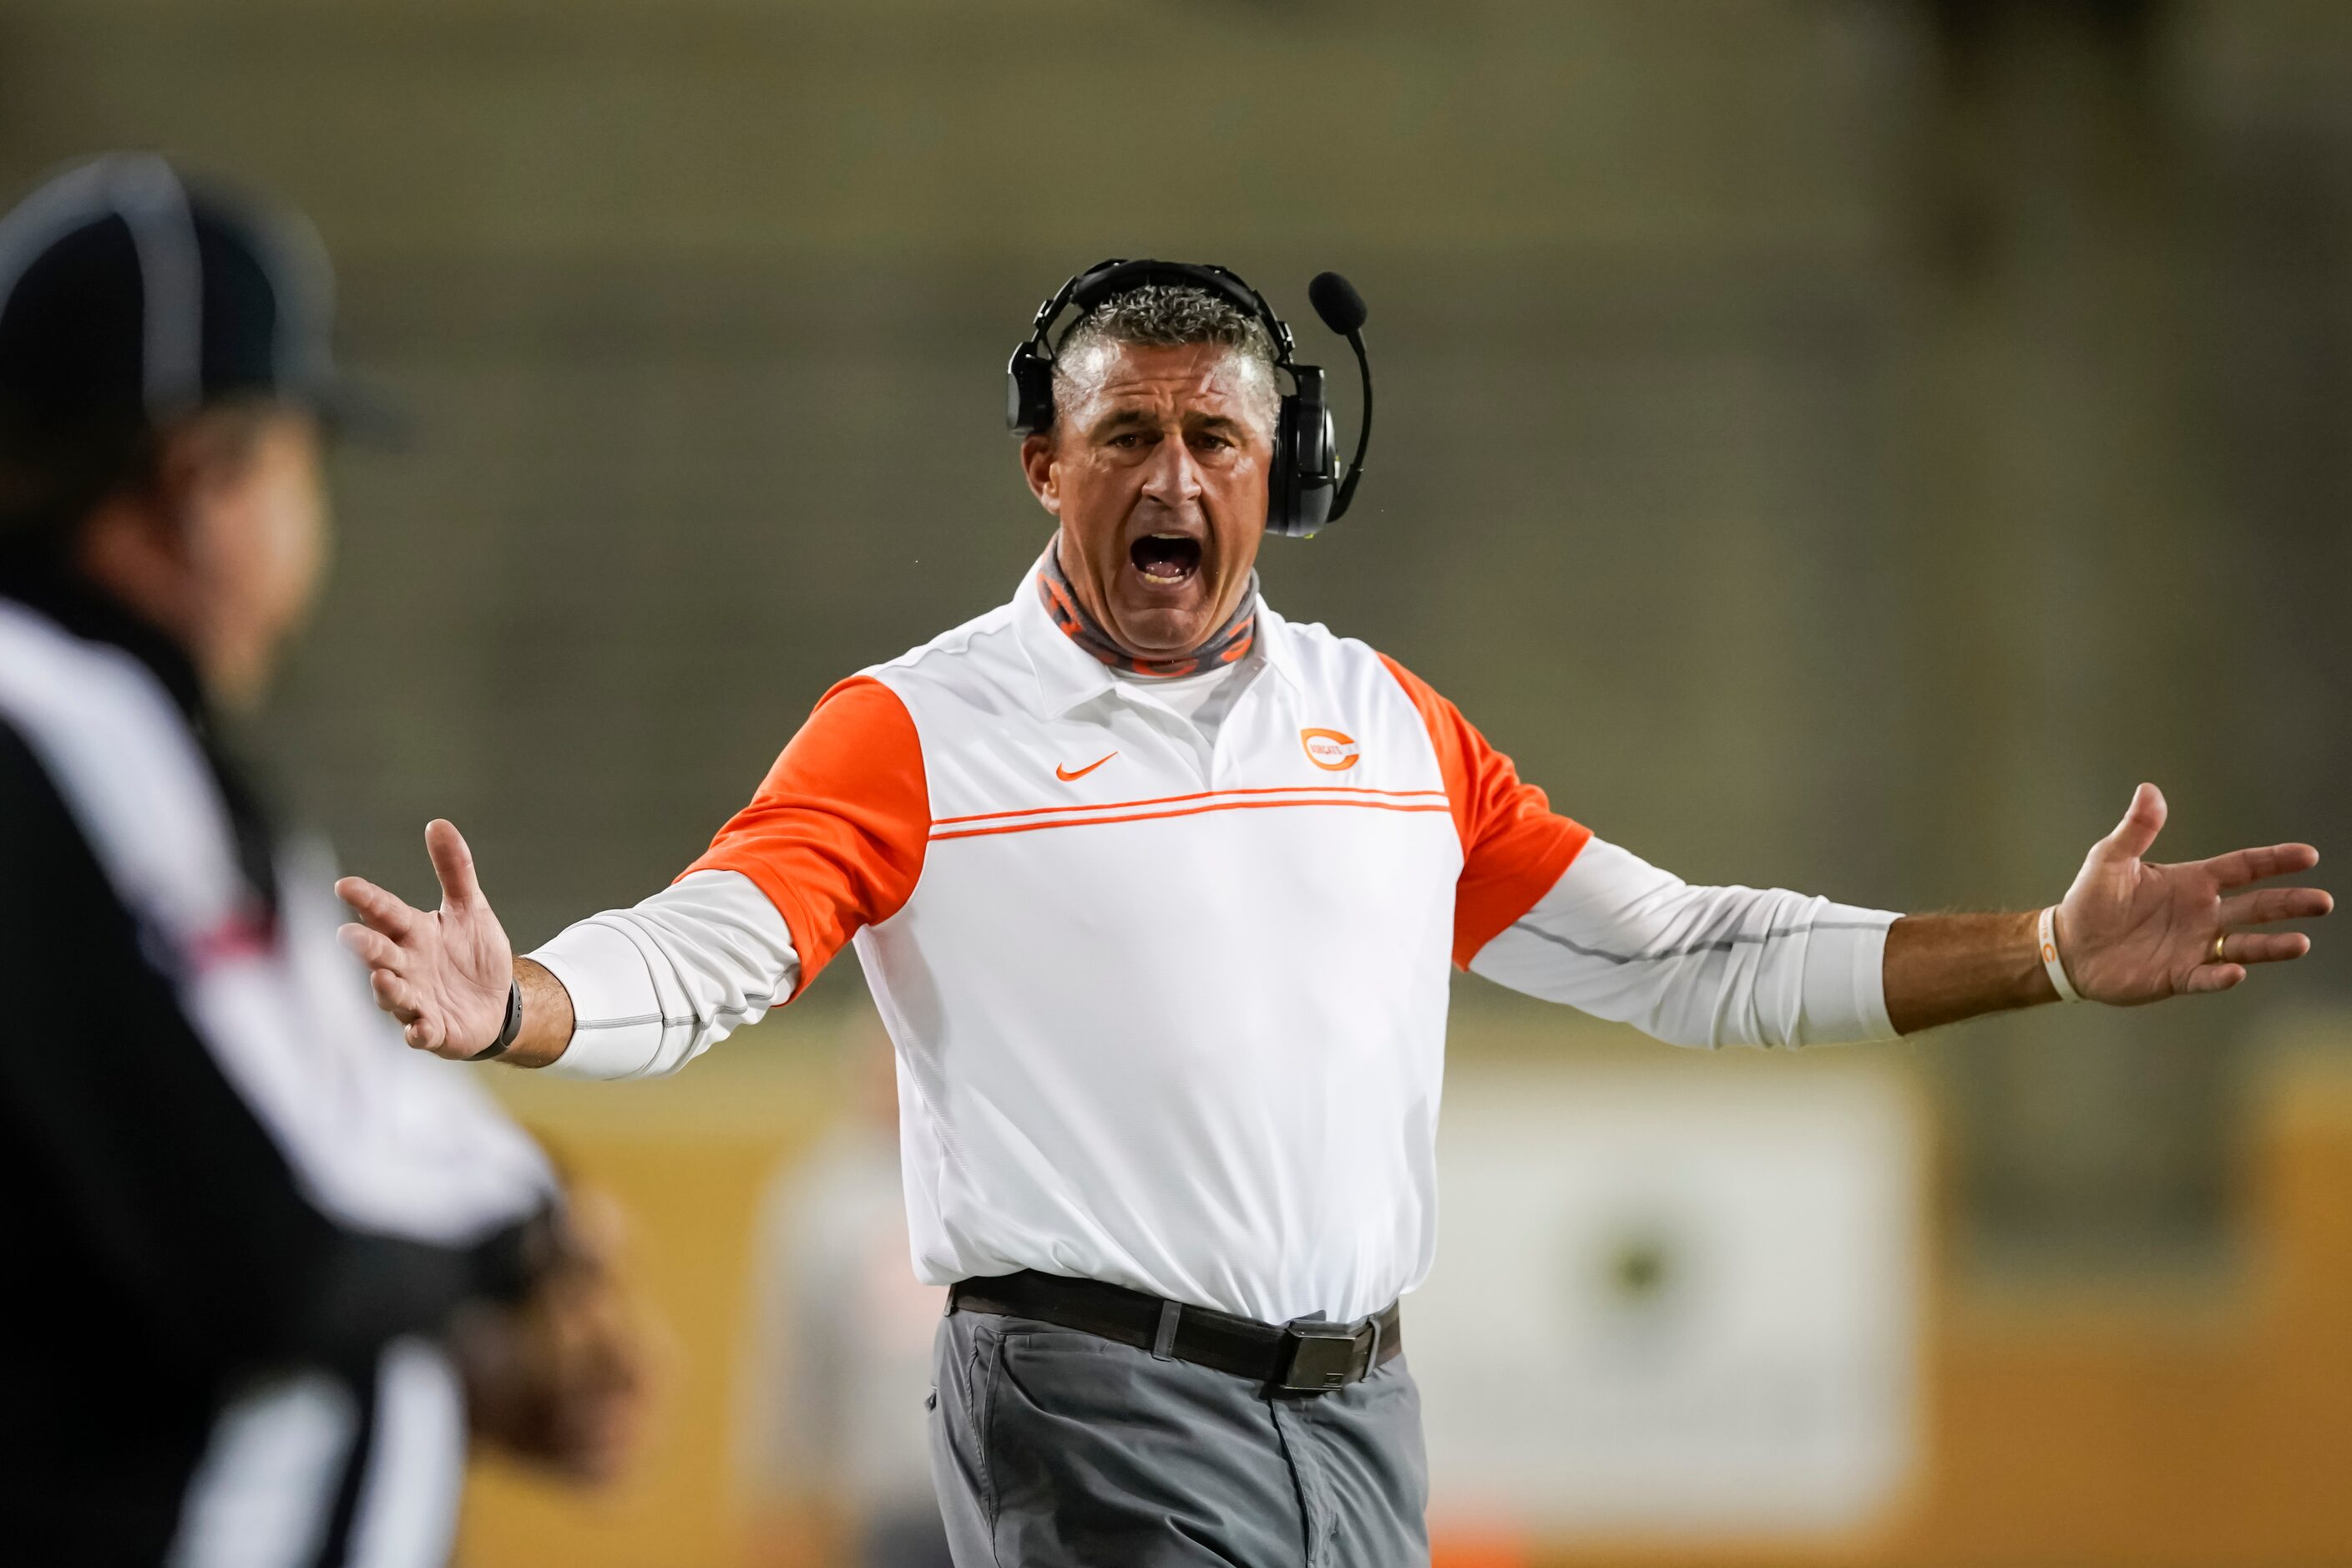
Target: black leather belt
{"x": 1302, "y": 1357}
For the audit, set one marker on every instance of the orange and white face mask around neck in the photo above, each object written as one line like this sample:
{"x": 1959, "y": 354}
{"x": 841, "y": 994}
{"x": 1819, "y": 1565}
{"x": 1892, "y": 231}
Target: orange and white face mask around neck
{"x": 1229, "y": 643}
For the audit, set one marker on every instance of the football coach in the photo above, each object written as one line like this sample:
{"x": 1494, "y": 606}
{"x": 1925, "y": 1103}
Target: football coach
{"x": 1157, "y": 892}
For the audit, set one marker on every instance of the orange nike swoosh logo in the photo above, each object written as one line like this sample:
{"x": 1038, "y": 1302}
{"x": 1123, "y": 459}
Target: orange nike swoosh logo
{"x": 1066, "y": 775}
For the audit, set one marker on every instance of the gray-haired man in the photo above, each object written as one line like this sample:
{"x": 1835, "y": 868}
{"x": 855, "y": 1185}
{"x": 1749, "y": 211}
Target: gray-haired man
{"x": 1157, "y": 892}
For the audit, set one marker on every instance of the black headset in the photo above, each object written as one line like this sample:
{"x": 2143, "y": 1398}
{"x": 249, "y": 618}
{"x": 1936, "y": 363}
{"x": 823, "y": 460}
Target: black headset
{"x": 1308, "y": 487}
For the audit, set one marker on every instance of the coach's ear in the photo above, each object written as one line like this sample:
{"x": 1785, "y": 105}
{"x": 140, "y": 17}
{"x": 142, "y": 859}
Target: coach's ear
{"x": 1038, "y": 468}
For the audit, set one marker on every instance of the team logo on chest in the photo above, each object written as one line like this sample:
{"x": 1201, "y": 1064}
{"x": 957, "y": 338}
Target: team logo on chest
{"x": 1330, "y": 750}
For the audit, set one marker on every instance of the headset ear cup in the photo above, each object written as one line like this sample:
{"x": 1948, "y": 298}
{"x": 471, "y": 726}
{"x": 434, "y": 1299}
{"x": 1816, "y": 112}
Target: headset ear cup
{"x": 1282, "y": 483}
{"x": 1300, "y": 490}
{"x": 1028, "y": 391}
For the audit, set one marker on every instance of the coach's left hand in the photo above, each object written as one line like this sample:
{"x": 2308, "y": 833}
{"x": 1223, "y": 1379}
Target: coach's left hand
{"x": 2133, "y": 931}
{"x": 2129, "y": 930}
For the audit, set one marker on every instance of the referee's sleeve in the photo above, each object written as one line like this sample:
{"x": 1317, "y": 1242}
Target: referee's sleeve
{"x": 125, "y": 1136}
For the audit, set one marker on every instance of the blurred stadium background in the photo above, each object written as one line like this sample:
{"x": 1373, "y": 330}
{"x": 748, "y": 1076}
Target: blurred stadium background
{"x": 1838, "y": 443}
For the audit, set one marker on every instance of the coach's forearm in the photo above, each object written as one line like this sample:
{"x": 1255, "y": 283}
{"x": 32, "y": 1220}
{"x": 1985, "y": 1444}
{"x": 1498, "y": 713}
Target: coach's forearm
{"x": 546, "y": 1016}
{"x": 1941, "y": 969}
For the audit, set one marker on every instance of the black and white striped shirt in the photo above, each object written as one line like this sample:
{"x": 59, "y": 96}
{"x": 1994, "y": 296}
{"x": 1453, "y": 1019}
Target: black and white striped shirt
{"x": 236, "y": 1211}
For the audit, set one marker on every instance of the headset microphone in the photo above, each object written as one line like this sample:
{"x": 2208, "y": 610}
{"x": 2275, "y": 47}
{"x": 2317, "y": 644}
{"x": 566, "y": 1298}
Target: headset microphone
{"x": 1305, "y": 489}
{"x": 1344, "y": 311}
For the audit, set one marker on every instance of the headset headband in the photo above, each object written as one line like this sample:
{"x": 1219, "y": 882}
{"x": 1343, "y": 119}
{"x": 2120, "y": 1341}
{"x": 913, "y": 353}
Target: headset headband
{"x": 1108, "y": 279}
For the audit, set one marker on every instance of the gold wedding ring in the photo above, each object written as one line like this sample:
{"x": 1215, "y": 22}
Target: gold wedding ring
{"x": 2217, "y": 948}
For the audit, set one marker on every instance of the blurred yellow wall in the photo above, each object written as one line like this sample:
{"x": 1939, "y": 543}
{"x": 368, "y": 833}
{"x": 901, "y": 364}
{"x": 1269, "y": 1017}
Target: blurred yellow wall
{"x": 687, "y": 1157}
{"x": 2199, "y": 1421}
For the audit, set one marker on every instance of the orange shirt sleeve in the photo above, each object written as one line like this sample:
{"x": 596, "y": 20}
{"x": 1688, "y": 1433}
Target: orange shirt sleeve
{"x": 836, "y": 835}
{"x": 1513, "y": 846}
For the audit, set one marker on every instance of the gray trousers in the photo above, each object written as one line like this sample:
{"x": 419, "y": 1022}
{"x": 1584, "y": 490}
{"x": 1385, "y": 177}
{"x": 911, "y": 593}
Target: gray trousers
{"x": 1053, "y": 1448}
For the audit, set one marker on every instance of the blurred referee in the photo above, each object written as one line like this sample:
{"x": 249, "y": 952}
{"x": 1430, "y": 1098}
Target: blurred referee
{"x": 263, "y": 1259}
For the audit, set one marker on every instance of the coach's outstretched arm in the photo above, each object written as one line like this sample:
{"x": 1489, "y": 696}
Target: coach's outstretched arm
{"x": 649, "y": 987}
{"x": 2129, "y": 930}
{"x": 832, "y": 841}
{"x": 1713, "y": 966}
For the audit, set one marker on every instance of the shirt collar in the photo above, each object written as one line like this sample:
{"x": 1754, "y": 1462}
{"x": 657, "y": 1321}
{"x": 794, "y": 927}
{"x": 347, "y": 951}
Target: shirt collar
{"x": 82, "y": 609}
{"x": 1068, "y": 675}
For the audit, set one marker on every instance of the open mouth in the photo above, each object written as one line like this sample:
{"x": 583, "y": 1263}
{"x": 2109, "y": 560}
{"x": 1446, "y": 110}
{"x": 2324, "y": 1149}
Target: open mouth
{"x": 1165, "y": 560}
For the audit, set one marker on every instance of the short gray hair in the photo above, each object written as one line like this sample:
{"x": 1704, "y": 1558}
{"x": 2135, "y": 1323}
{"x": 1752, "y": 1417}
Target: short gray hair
{"x": 1166, "y": 315}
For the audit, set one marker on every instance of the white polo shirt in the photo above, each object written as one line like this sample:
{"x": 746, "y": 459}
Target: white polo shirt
{"x": 1170, "y": 1006}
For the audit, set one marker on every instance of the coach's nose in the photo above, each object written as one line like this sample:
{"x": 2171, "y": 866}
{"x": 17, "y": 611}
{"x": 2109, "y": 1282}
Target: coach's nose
{"x": 1172, "y": 476}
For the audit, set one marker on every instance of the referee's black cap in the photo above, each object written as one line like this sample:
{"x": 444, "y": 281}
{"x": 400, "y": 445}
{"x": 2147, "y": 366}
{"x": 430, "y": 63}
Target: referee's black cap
{"x": 130, "y": 292}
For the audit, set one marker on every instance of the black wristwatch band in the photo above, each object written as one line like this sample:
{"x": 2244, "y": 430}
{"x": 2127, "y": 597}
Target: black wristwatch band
{"x": 513, "y": 1026}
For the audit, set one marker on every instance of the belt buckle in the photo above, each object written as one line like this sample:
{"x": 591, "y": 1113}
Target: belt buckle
{"x": 1324, "y": 1356}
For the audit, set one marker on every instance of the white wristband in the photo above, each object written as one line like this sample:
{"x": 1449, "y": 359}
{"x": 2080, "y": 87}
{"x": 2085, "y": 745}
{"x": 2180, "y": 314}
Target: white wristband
{"x": 2052, "y": 961}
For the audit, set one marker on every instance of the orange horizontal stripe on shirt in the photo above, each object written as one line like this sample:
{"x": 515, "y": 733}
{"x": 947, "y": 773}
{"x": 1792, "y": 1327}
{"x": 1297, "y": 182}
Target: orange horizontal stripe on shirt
{"x": 1198, "y": 794}
{"x": 1095, "y": 821}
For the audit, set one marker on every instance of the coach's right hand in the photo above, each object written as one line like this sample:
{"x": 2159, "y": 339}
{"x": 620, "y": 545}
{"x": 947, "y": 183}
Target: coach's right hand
{"x": 444, "y": 973}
